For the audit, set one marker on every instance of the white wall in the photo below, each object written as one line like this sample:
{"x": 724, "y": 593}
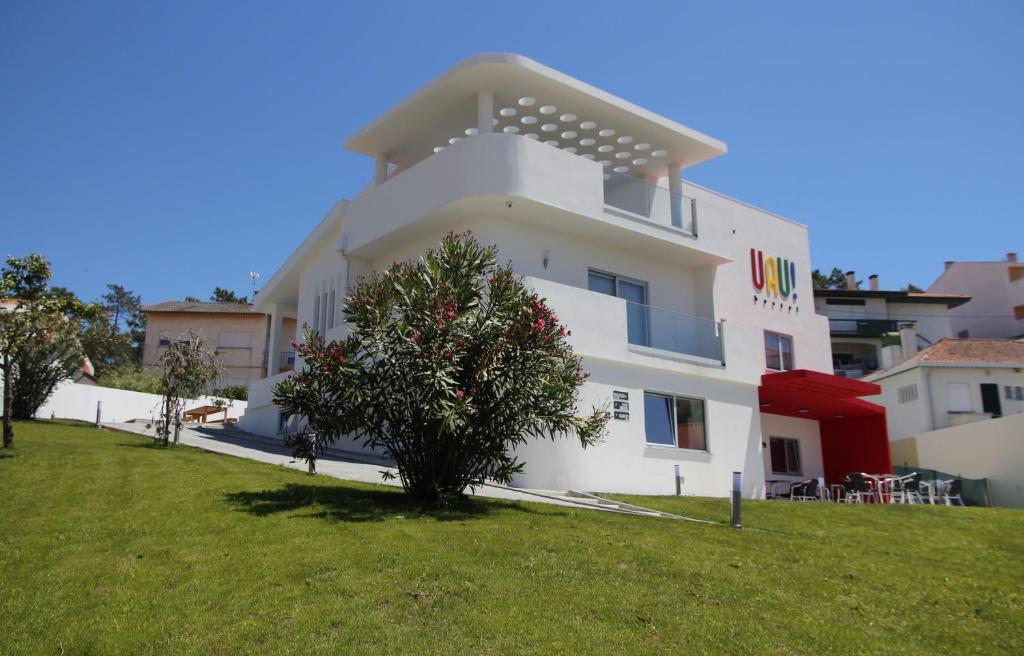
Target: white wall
{"x": 990, "y": 312}
{"x": 992, "y": 449}
{"x": 76, "y": 401}
{"x": 625, "y": 463}
{"x": 806, "y": 432}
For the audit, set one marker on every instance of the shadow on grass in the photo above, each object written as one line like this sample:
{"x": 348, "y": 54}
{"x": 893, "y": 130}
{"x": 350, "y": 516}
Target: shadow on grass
{"x": 346, "y": 504}
{"x": 6, "y": 453}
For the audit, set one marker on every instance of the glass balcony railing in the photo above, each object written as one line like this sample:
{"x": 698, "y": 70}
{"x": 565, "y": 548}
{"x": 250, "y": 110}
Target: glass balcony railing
{"x": 649, "y": 200}
{"x": 286, "y": 361}
{"x": 673, "y": 331}
{"x": 864, "y": 327}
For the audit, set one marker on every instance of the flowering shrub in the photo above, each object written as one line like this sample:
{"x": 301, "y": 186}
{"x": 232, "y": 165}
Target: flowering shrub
{"x": 450, "y": 363}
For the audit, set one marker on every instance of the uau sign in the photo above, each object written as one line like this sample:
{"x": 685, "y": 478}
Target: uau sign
{"x": 774, "y": 276}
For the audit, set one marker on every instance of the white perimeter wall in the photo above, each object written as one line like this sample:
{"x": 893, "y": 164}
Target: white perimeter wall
{"x": 74, "y": 401}
{"x": 992, "y": 449}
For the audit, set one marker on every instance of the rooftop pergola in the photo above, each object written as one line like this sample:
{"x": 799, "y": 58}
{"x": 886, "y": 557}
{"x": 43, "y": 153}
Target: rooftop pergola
{"x": 508, "y": 93}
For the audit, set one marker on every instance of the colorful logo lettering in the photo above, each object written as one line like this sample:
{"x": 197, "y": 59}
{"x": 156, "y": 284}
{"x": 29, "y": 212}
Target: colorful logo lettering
{"x": 773, "y": 275}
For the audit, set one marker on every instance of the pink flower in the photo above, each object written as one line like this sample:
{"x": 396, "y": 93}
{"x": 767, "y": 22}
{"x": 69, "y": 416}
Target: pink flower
{"x": 459, "y": 394}
{"x": 295, "y": 344}
{"x": 416, "y": 336}
{"x": 540, "y": 324}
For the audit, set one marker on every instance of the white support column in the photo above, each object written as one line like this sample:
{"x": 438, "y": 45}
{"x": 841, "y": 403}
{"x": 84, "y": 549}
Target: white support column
{"x": 273, "y": 353}
{"x": 380, "y": 170}
{"x": 675, "y": 187}
{"x": 485, "y": 112}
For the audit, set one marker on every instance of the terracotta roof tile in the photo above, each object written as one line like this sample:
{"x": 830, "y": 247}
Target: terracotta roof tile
{"x": 995, "y": 351}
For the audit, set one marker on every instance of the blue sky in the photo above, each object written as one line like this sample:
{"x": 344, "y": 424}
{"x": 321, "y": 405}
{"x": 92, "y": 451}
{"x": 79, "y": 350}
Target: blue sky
{"x": 175, "y": 146}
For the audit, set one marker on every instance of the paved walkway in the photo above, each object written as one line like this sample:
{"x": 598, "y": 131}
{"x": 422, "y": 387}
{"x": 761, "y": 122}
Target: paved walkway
{"x": 352, "y": 467}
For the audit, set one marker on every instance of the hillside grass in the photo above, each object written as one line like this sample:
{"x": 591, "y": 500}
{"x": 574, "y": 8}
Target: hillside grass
{"x": 109, "y": 545}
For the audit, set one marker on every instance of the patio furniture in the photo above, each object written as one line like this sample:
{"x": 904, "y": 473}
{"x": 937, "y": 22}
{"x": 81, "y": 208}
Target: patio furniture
{"x": 777, "y": 488}
{"x": 836, "y": 492}
{"x": 806, "y": 491}
{"x": 855, "y": 488}
{"x": 907, "y": 489}
{"x": 953, "y": 490}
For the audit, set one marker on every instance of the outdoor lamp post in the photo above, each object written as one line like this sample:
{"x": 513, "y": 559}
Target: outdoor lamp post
{"x": 734, "y": 500}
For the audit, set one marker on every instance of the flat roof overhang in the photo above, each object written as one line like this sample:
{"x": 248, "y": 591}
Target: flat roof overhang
{"x": 949, "y": 300}
{"x": 814, "y": 395}
{"x": 447, "y": 106}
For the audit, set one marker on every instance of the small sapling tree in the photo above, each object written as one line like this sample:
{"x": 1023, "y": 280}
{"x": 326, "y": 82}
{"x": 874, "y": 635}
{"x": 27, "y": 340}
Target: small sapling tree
{"x": 188, "y": 368}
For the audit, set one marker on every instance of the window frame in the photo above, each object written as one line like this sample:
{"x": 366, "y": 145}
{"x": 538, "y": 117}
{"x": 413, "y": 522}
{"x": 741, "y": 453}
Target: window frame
{"x": 675, "y": 421}
{"x": 616, "y": 278}
{"x": 792, "y": 351}
{"x": 799, "y": 457}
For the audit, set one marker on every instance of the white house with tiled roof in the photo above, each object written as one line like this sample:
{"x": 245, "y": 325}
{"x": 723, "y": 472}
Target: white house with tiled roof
{"x": 954, "y": 382}
{"x": 691, "y": 310}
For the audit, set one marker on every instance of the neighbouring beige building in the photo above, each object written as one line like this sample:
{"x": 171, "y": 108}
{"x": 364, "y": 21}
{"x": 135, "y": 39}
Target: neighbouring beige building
{"x": 239, "y": 335}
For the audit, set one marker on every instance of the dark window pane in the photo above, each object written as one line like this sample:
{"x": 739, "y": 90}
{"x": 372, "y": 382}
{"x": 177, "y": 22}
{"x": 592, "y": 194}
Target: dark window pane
{"x": 690, "y": 432}
{"x": 778, "y": 453}
{"x": 598, "y": 282}
{"x": 793, "y": 456}
{"x": 658, "y": 419}
{"x": 771, "y": 351}
{"x": 785, "y": 455}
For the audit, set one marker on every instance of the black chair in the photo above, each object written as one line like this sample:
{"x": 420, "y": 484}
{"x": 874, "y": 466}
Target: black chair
{"x": 806, "y": 491}
{"x": 855, "y": 488}
{"x": 954, "y": 491}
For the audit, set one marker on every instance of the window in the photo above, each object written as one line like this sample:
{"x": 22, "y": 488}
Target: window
{"x": 1008, "y": 391}
{"x": 675, "y": 421}
{"x": 785, "y": 454}
{"x": 959, "y": 397}
{"x": 963, "y": 334}
{"x": 316, "y": 311}
{"x": 634, "y": 293}
{"x": 844, "y": 301}
{"x": 1019, "y": 393}
{"x": 164, "y": 341}
{"x": 778, "y": 351}
{"x": 907, "y": 393}
{"x": 332, "y": 310}
{"x": 1016, "y": 273}
{"x": 1018, "y": 312}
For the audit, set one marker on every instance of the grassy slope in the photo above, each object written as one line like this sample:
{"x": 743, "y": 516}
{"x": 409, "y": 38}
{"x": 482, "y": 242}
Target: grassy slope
{"x": 109, "y": 546}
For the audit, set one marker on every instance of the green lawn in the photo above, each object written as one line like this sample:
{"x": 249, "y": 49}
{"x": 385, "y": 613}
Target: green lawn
{"x": 111, "y": 546}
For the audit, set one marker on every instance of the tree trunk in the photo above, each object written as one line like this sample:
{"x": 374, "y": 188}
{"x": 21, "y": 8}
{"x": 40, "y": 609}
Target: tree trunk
{"x": 8, "y": 401}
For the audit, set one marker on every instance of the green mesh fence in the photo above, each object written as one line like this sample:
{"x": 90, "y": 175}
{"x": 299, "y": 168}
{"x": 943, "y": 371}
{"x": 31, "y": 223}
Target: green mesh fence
{"x": 975, "y": 490}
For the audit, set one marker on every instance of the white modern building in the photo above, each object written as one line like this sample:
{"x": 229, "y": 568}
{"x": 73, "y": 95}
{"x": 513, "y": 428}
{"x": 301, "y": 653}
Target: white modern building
{"x": 875, "y": 329}
{"x": 954, "y": 382}
{"x": 997, "y": 290}
{"x": 693, "y": 311}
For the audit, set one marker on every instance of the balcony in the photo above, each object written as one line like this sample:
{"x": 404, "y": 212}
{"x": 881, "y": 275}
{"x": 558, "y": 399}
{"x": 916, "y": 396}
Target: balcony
{"x": 648, "y": 200}
{"x": 512, "y": 177}
{"x": 665, "y": 330}
{"x": 286, "y": 361}
{"x": 872, "y": 328}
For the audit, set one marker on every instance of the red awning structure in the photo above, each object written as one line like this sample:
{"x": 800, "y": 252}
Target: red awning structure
{"x": 854, "y": 437}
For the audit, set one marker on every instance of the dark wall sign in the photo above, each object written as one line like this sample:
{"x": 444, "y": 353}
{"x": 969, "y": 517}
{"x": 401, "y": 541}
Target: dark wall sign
{"x": 621, "y": 402}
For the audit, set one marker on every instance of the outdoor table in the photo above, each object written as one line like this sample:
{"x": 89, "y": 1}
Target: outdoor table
{"x": 837, "y": 492}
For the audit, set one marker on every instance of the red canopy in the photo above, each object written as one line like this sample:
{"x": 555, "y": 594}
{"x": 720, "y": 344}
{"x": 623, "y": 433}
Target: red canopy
{"x": 853, "y": 431}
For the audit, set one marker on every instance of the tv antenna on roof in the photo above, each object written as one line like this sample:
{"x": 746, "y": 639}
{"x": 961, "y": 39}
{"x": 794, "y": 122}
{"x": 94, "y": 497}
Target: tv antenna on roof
{"x": 253, "y": 277}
